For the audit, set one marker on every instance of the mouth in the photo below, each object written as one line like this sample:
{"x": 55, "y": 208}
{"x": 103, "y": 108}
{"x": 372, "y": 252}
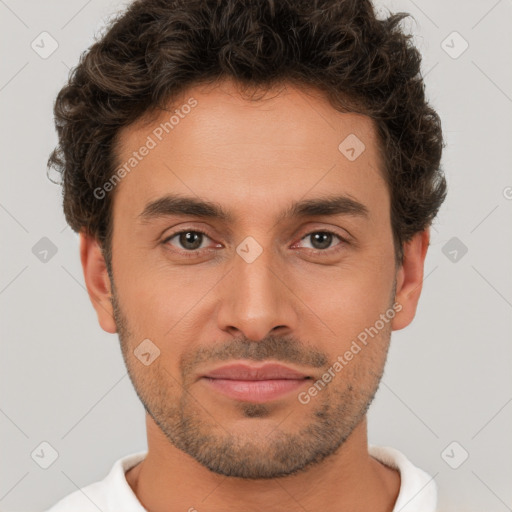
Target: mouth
{"x": 255, "y": 384}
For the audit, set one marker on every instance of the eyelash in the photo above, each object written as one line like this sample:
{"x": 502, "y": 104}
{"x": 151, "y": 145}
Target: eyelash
{"x": 197, "y": 252}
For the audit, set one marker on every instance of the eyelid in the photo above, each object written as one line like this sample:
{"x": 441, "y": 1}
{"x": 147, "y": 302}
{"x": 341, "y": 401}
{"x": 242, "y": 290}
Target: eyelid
{"x": 344, "y": 240}
{"x": 186, "y": 230}
{"x": 183, "y": 253}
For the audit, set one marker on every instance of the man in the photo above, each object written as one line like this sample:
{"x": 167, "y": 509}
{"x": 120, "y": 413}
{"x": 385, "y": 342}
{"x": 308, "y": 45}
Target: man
{"x": 253, "y": 183}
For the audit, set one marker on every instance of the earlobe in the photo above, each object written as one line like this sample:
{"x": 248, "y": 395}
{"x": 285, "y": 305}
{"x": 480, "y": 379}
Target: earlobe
{"x": 97, "y": 281}
{"x": 409, "y": 279}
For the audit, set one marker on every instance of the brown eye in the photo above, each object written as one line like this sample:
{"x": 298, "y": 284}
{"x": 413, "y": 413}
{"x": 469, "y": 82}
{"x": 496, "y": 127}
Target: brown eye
{"x": 189, "y": 240}
{"x": 321, "y": 240}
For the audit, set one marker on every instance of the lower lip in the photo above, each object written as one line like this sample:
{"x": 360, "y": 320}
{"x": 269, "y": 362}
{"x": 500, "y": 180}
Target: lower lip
{"x": 257, "y": 391}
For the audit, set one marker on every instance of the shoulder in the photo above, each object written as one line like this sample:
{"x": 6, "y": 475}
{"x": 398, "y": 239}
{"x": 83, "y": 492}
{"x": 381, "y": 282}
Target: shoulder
{"x": 88, "y": 499}
{"x": 112, "y": 491}
{"x": 418, "y": 490}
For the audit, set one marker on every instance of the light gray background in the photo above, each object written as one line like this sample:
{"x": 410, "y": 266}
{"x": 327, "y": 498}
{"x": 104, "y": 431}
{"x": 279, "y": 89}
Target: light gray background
{"x": 449, "y": 373}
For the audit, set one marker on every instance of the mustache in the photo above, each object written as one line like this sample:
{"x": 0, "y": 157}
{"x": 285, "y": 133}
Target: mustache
{"x": 285, "y": 349}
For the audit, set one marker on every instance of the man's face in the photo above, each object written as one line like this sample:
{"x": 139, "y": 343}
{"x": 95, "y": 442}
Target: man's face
{"x": 293, "y": 293}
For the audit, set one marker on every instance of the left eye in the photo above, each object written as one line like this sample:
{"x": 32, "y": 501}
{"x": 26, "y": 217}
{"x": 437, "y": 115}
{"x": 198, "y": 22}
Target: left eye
{"x": 321, "y": 240}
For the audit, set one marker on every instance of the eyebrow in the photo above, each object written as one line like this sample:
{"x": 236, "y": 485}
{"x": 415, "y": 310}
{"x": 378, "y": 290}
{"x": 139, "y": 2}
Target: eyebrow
{"x": 171, "y": 204}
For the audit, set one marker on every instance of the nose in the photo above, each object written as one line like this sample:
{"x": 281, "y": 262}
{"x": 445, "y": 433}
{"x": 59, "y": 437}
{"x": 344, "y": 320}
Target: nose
{"x": 255, "y": 299}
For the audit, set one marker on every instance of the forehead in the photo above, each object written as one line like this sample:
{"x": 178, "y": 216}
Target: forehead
{"x": 214, "y": 143}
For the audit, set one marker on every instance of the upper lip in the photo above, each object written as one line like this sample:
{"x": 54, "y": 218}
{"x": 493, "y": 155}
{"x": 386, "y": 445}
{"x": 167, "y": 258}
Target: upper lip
{"x": 246, "y": 372}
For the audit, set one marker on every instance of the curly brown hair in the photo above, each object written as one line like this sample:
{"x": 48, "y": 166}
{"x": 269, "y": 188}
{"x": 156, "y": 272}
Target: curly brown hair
{"x": 156, "y": 49}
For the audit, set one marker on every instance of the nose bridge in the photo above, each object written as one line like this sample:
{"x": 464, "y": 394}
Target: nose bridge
{"x": 254, "y": 300}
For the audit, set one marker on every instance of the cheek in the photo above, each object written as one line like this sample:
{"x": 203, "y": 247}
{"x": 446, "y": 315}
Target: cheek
{"x": 348, "y": 299}
{"x": 164, "y": 302}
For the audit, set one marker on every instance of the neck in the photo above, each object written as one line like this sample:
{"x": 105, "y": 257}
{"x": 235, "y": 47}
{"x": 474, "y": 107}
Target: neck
{"x": 170, "y": 480}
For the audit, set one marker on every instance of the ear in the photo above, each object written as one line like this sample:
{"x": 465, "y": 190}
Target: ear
{"x": 409, "y": 279}
{"x": 97, "y": 281}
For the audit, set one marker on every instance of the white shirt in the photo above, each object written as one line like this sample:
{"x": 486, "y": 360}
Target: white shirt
{"x": 418, "y": 492}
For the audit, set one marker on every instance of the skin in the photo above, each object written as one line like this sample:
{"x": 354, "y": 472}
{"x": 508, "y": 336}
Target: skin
{"x": 292, "y": 304}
